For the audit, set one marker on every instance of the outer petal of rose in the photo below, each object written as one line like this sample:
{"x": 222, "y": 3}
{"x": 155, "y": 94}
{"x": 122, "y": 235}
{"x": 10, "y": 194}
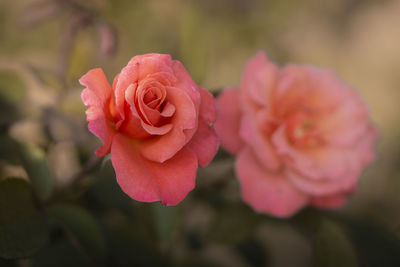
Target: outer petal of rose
{"x": 259, "y": 78}
{"x": 207, "y": 106}
{"x": 163, "y": 147}
{"x": 204, "y": 143}
{"x": 267, "y": 192}
{"x": 227, "y": 124}
{"x": 321, "y": 187}
{"x": 127, "y": 76}
{"x": 330, "y": 202}
{"x": 148, "y": 181}
{"x": 96, "y": 96}
{"x": 185, "y": 82}
{"x": 151, "y": 63}
{"x": 261, "y": 146}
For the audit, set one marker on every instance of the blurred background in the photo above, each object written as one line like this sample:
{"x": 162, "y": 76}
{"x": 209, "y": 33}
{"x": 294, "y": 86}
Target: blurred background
{"x": 61, "y": 206}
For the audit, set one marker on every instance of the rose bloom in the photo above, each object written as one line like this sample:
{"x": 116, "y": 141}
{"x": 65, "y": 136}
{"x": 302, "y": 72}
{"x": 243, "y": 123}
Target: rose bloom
{"x": 156, "y": 122}
{"x": 300, "y": 134}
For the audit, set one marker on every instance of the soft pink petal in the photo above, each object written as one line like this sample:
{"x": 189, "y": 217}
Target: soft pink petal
{"x": 132, "y": 126}
{"x": 265, "y": 191}
{"x": 207, "y": 106}
{"x": 186, "y": 83}
{"x": 97, "y": 97}
{"x": 168, "y": 110}
{"x": 156, "y": 130}
{"x": 259, "y": 78}
{"x": 149, "y": 64}
{"x": 321, "y": 187}
{"x": 330, "y": 201}
{"x": 204, "y": 143}
{"x": 127, "y": 76}
{"x": 228, "y": 120}
{"x": 163, "y": 147}
{"x": 148, "y": 181}
{"x": 258, "y": 141}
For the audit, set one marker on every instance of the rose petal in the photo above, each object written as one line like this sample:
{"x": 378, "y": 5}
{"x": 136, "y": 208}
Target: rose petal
{"x": 265, "y": 191}
{"x": 156, "y": 130}
{"x": 207, "y": 106}
{"x": 163, "y": 147}
{"x": 97, "y": 97}
{"x": 204, "y": 143}
{"x": 148, "y": 181}
{"x": 254, "y": 137}
{"x": 228, "y": 121}
{"x": 259, "y": 78}
{"x": 127, "y": 76}
{"x": 151, "y": 63}
{"x": 168, "y": 110}
{"x": 330, "y": 201}
{"x": 185, "y": 82}
{"x": 322, "y": 187}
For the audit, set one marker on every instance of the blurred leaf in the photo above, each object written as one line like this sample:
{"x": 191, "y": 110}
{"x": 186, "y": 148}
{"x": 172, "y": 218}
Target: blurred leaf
{"x": 12, "y": 88}
{"x": 34, "y": 161}
{"x": 83, "y": 227}
{"x": 165, "y": 220}
{"x": 129, "y": 247}
{"x": 7, "y": 151}
{"x": 61, "y": 253}
{"x": 375, "y": 246}
{"x": 23, "y": 230}
{"x": 253, "y": 252}
{"x": 106, "y": 193}
{"x": 234, "y": 224}
{"x": 332, "y": 247}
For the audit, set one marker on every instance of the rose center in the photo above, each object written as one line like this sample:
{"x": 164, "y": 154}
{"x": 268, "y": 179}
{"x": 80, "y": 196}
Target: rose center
{"x": 302, "y": 132}
{"x": 152, "y": 97}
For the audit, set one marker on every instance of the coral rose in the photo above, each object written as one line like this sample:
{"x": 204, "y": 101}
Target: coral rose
{"x": 300, "y": 134}
{"x": 156, "y": 122}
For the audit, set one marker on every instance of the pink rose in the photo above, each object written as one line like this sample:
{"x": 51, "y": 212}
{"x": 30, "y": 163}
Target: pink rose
{"x": 157, "y": 124}
{"x": 300, "y": 134}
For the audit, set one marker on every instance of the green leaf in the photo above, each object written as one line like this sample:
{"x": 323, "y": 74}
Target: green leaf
{"x": 82, "y": 227}
{"x": 23, "y": 230}
{"x": 165, "y": 220}
{"x": 332, "y": 247}
{"x": 253, "y": 252}
{"x": 7, "y": 151}
{"x": 34, "y": 161}
{"x": 12, "y": 88}
{"x": 234, "y": 223}
{"x": 376, "y": 246}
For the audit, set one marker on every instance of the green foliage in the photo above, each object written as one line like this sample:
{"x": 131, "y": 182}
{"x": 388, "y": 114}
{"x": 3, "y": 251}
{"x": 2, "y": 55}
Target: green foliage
{"x": 34, "y": 161}
{"x": 12, "y": 89}
{"x": 234, "y": 224}
{"x": 332, "y": 247}
{"x": 253, "y": 252}
{"x": 82, "y": 227}
{"x": 375, "y": 246}
{"x": 7, "y": 151}
{"x": 23, "y": 230}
